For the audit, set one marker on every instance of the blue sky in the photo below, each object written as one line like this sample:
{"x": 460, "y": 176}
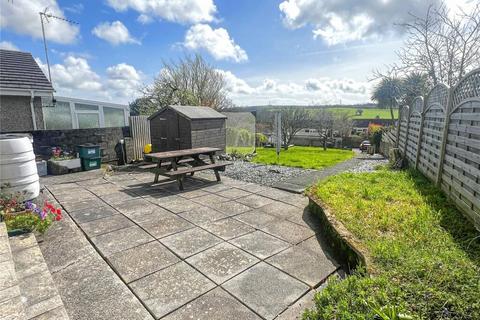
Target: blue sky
{"x": 278, "y": 52}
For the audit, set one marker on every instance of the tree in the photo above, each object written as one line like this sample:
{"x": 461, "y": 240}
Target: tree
{"x": 343, "y": 123}
{"x": 323, "y": 122}
{"x": 413, "y": 85}
{"x": 442, "y": 45}
{"x": 142, "y": 106}
{"x": 190, "y": 81}
{"x": 388, "y": 92}
{"x": 294, "y": 119}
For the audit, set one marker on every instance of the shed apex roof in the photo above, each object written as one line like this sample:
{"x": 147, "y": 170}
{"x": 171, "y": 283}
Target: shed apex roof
{"x": 19, "y": 71}
{"x": 194, "y": 112}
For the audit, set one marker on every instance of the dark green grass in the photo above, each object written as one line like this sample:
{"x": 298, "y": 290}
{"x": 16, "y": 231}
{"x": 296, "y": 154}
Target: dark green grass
{"x": 303, "y": 157}
{"x": 424, "y": 253}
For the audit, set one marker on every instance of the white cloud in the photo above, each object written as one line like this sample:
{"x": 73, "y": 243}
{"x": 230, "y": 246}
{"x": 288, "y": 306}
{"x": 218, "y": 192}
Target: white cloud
{"x": 74, "y": 77}
{"x": 311, "y": 91}
{"x": 216, "y": 41}
{"x": 182, "y": 11}
{"x": 21, "y": 16}
{"x": 344, "y": 21}
{"x": 7, "y": 45}
{"x": 144, "y": 19}
{"x": 124, "y": 79}
{"x": 115, "y": 33}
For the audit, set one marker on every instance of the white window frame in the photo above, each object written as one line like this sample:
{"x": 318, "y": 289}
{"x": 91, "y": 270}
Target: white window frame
{"x": 99, "y": 112}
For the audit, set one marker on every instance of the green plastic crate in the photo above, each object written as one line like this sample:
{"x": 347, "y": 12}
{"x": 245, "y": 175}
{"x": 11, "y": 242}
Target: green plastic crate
{"x": 91, "y": 164}
{"x": 88, "y": 151}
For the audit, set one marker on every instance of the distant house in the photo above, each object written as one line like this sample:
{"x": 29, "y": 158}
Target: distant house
{"x": 27, "y": 102}
{"x": 22, "y": 87}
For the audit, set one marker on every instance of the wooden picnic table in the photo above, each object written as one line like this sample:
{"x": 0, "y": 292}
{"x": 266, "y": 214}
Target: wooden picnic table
{"x": 169, "y": 163}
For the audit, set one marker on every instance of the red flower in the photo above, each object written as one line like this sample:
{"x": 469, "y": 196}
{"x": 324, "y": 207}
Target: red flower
{"x": 59, "y": 211}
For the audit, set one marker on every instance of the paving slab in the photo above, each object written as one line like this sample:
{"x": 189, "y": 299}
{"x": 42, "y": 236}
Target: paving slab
{"x": 222, "y": 262}
{"x": 143, "y": 260}
{"x": 190, "y": 242}
{"x": 288, "y": 231}
{"x": 255, "y": 201}
{"x": 137, "y": 208}
{"x": 209, "y": 200}
{"x": 92, "y": 213}
{"x": 202, "y": 215}
{"x": 281, "y": 210}
{"x": 119, "y": 240}
{"x": 162, "y": 224}
{"x": 55, "y": 314}
{"x": 257, "y": 219}
{"x": 103, "y": 189}
{"x": 28, "y": 261}
{"x": 83, "y": 204}
{"x": 104, "y": 225}
{"x": 119, "y": 197}
{"x": 215, "y": 187}
{"x": 307, "y": 219}
{"x": 190, "y": 194}
{"x": 170, "y": 288}
{"x": 295, "y": 311}
{"x": 179, "y": 204}
{"x": 265, "y": 289}
{"x": 228, "y": 228}
{"x": 214, "y": 305}
{"x": 230, "y": 208}
{"x": 233, "y": 193}
{"x": 306, "y": 265}
{"x": 91, "y": 290}
{"x": 260, "y": 244}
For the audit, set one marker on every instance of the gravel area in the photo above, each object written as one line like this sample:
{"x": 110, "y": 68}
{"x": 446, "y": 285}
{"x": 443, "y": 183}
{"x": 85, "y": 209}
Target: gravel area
{"x": 262, "y": 174}
{"x": 369, "y": 164}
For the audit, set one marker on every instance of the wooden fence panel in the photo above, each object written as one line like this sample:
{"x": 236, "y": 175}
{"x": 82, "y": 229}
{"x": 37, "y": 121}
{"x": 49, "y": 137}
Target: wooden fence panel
{"x": 402, "y": 136}
{"x": 432, "y": 132}
{"x": 461, "y": 166}
{"x": 414, "y": 130}
{"x": 140, "y": 130}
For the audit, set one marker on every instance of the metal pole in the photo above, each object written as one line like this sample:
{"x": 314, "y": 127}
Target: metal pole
{"x": 45, "y": 47}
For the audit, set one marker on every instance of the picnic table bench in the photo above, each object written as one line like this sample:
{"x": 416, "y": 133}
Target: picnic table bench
{"x": 178, "y": 163}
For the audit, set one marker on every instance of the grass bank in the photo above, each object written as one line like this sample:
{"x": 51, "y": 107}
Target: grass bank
{"x": 303, "y": 157}
{"x": 425, "y": 255}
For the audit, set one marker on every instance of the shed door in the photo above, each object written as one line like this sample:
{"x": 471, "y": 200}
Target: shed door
{"x": 169, "y": 133}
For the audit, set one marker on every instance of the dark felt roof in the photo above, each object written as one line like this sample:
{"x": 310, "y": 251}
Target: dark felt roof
{"x": 194, "y": 112}
{"x": 18, "y": 70}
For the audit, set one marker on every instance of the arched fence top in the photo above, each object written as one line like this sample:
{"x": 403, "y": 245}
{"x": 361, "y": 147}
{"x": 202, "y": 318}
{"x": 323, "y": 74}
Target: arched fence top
{"x": 467, "y": 88}
{"x": 417, "y": 108}
{"x": 404, "y": 113}
{"x": 438, "y": 96}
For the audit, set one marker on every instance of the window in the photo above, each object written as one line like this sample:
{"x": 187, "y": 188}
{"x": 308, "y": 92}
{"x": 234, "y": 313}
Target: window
{"x": 58, "y": 117}
{"x": 88, "y": 120}
{"x": 114, "y": 117}
{"x": 87, "y": 116}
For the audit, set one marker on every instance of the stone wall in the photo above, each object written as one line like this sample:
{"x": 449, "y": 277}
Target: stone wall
{"x": 107, "y": 138}
{"x": 16, "y": 115}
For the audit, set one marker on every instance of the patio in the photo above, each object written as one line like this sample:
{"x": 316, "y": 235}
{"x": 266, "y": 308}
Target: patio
{"x": 137, "y": 250}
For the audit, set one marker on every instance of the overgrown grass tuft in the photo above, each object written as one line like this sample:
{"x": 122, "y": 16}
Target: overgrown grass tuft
{"x": 303, "y": 157}
{"x": 425, "y": 254}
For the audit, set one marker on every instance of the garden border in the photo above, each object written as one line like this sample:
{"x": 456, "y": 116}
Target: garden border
{"x": 337, "y": 235}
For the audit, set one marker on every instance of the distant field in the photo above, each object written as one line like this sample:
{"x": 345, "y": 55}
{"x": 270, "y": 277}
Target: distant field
{"x": 367, "y": 113}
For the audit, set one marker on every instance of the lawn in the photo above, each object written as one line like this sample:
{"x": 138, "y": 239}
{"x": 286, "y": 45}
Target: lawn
{"x": 241, "y": 150}
{"x": 424, "y": 255}
{"x": 303, "y": 157}
{"x": 370, "y": 113}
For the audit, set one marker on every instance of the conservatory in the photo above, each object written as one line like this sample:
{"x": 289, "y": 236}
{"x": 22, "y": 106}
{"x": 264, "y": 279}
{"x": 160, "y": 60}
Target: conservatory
{"x": 72, "y": 113}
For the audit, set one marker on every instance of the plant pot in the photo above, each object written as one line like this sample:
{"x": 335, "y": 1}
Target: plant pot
{"x": 17, "y": 232}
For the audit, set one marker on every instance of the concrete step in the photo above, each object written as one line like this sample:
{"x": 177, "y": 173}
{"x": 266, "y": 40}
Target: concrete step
{"x": 38, "y": 293}
{"x": 11, "y": 306}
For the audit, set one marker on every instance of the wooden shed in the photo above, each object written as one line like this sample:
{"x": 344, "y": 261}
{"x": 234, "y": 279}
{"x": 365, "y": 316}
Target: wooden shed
{"x": 186, "y": 127}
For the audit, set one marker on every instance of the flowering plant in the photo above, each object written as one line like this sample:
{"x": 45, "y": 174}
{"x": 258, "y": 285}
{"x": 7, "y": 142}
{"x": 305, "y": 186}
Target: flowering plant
{"x": 27, "y": 215}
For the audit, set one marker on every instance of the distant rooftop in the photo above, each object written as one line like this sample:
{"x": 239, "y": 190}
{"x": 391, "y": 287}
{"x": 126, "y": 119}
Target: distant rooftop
{"x": 19, "y": 71}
